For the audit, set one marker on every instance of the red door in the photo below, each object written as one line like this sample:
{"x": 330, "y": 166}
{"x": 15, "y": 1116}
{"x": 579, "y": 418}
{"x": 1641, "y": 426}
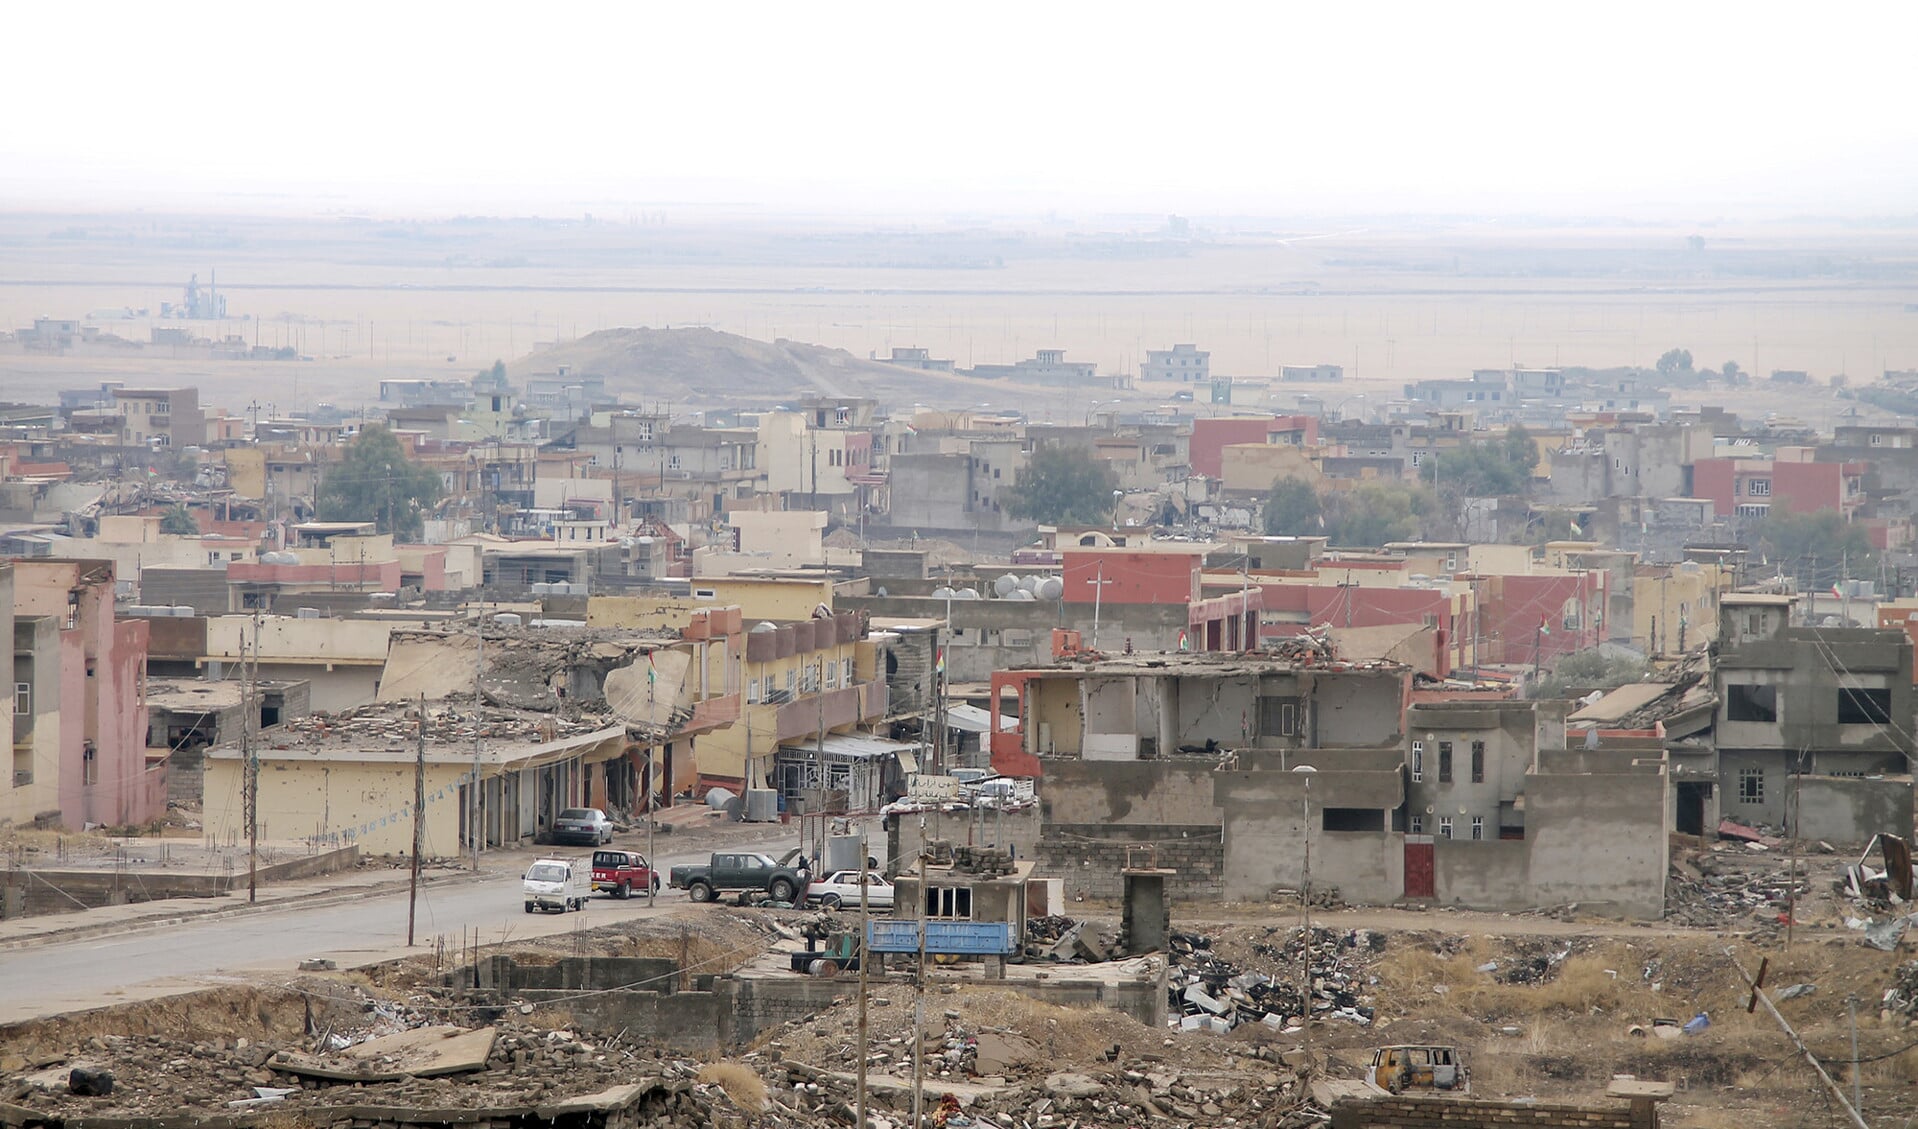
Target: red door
{"x": 1419, "y": 880}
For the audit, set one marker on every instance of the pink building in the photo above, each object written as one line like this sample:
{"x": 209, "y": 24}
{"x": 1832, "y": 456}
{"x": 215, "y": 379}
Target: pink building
{"x": 1210, "y": 437}
{"x": 1789, "y": 479}
{"x": 103, "y": 775}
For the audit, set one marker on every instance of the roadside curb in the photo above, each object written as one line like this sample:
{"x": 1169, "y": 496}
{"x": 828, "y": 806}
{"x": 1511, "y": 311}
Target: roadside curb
{"x": 330, "y": 896}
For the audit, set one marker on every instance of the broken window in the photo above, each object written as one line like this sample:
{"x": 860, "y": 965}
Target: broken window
{"x": 1859, "y": 706}
{"x": 1478, "y": 827}
{"x": 949, "y": 901}
{"x": 1445, "y": 762}
{"x": 1353, "y": 819}
{"x": 1416, "y": 825}
{"x": 1478, "y": 763}
{"x": 1445, "y": 827}
{"x": 1750, "y": 701}
{"x": 1281, "y": 717}
{"x": 1751, "y": 785}
{"x": 1418, "y": 762}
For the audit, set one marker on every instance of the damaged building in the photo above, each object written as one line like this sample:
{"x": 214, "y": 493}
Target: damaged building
{"x": 1798, "y": 729}
{"x": 1262, "y": 776}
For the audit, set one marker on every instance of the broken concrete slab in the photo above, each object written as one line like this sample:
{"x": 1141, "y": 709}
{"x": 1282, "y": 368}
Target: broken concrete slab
{"x": 424, "y": 1052}
{"x": 999, "y": 1050}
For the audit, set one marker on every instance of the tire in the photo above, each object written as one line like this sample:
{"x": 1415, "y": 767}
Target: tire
{"x": 830, "y": 901}
{"x": 655, "y": 883}
{"x": 782, "y": 890}
{"x": 529, "y": 907}
{"x": 699, "y": 892}
{"x": 623, "y": 891}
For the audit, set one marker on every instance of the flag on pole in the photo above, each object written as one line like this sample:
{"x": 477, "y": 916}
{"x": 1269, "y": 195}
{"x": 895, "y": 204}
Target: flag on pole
{"x": 652, "y": 669}
{"x": 1837, "y": 591}
{"x": 1544, "y": 627}
{"x": 939, "y": 662}
{"x": 1185, "y": 644}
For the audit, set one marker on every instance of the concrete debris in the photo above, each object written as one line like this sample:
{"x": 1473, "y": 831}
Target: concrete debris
{"x": 90, "y": 1083}
{"x": 1885, "y": 935}
{"x": 991, "y": 862}
{"x": 1713, "y": 892}
{"x": 1205, "y": 986}
{"x": 1901, "y": 999}
{"x": 1794, "y": 992}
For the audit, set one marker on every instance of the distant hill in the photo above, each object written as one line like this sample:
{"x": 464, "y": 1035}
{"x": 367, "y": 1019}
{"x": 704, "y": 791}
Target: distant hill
{"x": 705, "y": 366}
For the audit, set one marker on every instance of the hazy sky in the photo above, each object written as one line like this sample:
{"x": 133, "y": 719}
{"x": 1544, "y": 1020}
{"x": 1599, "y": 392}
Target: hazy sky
{"x": 1692, "y": 108}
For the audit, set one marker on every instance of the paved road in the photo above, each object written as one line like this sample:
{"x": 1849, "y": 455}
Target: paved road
{"x": 61, "y": 976}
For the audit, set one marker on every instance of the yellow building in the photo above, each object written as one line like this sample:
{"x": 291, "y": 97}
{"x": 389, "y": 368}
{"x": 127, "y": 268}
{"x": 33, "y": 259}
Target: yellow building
{"x": 1675, "y": 607}
{"x": 359, "y": 791}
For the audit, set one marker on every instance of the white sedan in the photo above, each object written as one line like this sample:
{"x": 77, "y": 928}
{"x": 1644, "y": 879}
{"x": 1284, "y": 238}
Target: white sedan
{"x": 841, "y": 888}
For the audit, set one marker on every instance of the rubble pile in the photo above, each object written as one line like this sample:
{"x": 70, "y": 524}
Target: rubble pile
{"x": 987, "y": 1068}
{"x": 1307, "y": 646}
{"x": 397, "y": 723}
{"x": 1211, "y": 993}
{"x": 161, "y": 1074}
{"x": 1900, "y": 1001}
{"x": 990, "y": 862}
{"x": 1711, "y": 893}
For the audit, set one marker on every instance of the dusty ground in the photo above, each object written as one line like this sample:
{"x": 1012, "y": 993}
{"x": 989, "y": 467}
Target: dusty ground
{"x": 1553, "y": 1020}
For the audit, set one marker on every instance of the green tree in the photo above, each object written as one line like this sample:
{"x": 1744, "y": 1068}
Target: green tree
{"x": 1490, "y": 469}
{"x": 1064, "y": 485}
{"x": 1373, "y": 513}
{"x": 374, "y": 482}
{"x": 179, "y": 521}
{"x": 1818, "y": 547}
{"x": 1292, "y": 509}
{"x": 1674, "y": 362}
{"x": 1587, "y": 670}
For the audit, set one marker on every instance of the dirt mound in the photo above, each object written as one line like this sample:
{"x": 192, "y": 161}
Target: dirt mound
{"x": 706, "y": 366}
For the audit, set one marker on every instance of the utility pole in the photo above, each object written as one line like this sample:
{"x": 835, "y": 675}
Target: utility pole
{"x": 473, "y": 823}
{"x": 1857, "y": 1087}
{"x": 1099, "y": 583}
{"x": 919, "y": 1001}
{"x": 1831, "y": 1087}
{"x": 251, "y": 752}
{"x": 865, "y": 1050}
{"x": 652, "y": 819}
{"x": 419, "y": 824}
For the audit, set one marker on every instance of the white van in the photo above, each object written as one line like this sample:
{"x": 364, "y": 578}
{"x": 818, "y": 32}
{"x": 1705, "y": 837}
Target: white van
{"x": 558, "y": 884}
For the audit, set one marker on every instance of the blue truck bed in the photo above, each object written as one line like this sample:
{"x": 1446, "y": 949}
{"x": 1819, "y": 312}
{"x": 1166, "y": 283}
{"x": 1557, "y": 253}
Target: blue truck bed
{"x": 962, "y": 938}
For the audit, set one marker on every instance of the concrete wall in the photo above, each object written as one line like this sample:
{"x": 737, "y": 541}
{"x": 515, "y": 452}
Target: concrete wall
{"x": 1601, "y": 840}
{"x": 1489, "y": 874}
{"x": 726, "y": 1011}
{"x": 1476, "y": 1113}
{"x": 1269, "y": 818}
{"x": 1088, "y": 858}
{"x": 368, "y": 803}
{"x": 56, "y": 891}
{"x": 1846, "y": 809}
{"x": 1137, "y": 793}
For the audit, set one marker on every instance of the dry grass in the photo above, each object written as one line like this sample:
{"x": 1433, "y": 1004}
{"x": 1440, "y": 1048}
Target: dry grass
{"x": 740, "y": 1083}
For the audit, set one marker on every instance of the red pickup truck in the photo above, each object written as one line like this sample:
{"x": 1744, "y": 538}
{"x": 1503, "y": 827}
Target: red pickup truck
{"x": 621, "y": 873}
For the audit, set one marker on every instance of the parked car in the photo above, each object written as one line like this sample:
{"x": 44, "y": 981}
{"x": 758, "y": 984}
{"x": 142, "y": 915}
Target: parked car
{"x": 620, "y": 873}
{"x": 743, "y": 871}
{"x": 557, "y": 884}
{"x": 841, "y": 888}
{"x": 583, "y": 825}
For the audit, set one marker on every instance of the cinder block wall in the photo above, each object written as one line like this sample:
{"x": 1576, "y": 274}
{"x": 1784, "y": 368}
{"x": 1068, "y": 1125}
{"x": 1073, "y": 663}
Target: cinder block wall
{"x": 1089, "y": 858}
{"x": 1465, "y": 1113}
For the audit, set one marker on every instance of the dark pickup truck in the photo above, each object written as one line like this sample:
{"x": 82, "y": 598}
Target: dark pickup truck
{"x": 747, "y": 872}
